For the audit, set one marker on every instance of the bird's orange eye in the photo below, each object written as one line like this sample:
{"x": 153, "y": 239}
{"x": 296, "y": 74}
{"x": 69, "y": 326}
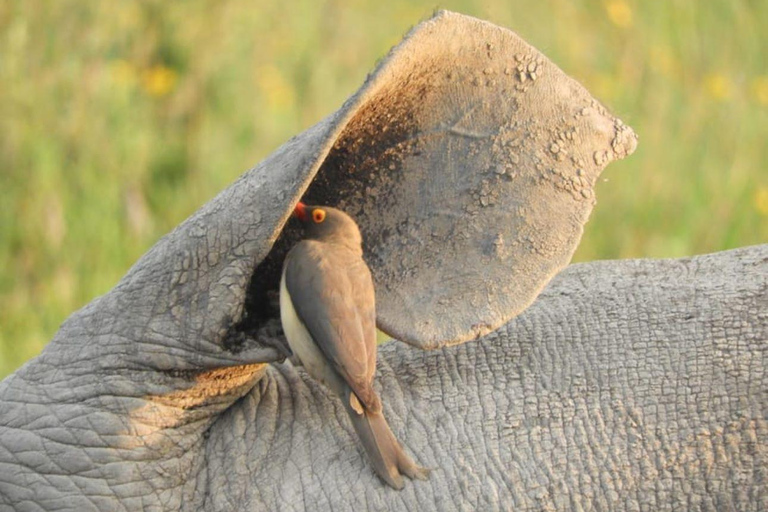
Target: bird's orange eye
{"x": 318, "y": 216}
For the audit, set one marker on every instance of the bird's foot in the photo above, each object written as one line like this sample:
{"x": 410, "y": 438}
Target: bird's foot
{"x": 271, "y": 334}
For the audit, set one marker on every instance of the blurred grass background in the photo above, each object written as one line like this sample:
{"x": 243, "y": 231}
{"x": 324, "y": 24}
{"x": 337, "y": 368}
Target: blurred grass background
{"x": 119, "y": 119}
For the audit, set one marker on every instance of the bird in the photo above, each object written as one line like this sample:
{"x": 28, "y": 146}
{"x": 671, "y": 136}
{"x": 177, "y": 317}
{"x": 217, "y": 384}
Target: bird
{"x": 328, "y": 313}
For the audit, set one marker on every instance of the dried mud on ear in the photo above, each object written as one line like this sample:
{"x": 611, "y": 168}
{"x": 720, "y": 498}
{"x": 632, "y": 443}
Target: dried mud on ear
{"x": 470, "y": 165}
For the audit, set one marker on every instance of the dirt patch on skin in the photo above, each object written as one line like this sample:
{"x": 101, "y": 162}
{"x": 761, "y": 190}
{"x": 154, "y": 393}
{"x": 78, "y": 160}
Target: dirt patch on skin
{"x": 206, "y": 388}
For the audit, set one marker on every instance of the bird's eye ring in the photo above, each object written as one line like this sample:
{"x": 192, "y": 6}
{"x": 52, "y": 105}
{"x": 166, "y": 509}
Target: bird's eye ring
{"x": 318, "y": 216}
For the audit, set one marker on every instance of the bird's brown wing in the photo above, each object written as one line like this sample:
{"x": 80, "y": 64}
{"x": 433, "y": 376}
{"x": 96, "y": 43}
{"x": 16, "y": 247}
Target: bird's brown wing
{"x": 332, "y": 292}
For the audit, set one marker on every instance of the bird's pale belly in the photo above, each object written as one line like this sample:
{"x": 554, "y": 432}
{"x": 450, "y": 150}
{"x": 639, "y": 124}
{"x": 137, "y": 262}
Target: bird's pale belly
{"x": 304, "y": 346}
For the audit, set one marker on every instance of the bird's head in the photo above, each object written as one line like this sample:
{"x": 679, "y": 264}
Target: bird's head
{"x": 328, "y": 224}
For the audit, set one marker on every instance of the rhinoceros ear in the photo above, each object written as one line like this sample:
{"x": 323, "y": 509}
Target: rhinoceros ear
{"x": 469, "y": 161}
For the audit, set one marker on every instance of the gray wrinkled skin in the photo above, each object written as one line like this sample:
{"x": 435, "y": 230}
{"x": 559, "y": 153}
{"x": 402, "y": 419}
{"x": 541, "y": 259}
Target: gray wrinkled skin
{"x": 628, "y": 385}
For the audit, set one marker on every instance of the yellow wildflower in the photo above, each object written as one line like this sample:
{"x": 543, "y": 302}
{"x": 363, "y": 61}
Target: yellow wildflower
{"x": 718, "y": 86}
{"x": 759, "y": 89}
{"x": 158, "y": 80}
{"x": 761, "y": 200}
{"x": 619, "y": 12}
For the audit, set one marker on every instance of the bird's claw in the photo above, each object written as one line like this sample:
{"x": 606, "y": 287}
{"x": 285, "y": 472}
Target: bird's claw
{"x": 271, "y": 334}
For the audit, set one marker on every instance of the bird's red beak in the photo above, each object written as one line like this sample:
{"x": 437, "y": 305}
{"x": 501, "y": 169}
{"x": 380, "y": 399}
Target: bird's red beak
{"x": 300, "y": 211}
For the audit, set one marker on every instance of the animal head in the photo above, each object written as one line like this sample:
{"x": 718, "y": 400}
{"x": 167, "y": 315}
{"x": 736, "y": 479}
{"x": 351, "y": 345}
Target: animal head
{"x": 328, "y": 224}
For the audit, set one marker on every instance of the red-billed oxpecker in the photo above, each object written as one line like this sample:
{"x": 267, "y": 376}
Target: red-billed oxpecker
{"x": 328, "y": 311}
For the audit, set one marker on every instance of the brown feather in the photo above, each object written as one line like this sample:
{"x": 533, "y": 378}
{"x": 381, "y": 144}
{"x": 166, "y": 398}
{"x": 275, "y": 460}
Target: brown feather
{"x": 332, "y": 291}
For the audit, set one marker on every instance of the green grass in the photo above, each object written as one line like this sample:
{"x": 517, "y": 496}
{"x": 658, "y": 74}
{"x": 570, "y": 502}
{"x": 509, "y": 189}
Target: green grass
{"x": 119, "y": 119}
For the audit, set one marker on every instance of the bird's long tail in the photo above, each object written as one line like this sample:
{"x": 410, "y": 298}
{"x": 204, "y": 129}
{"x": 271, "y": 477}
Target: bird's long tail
{"x": 386, "y": 454}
